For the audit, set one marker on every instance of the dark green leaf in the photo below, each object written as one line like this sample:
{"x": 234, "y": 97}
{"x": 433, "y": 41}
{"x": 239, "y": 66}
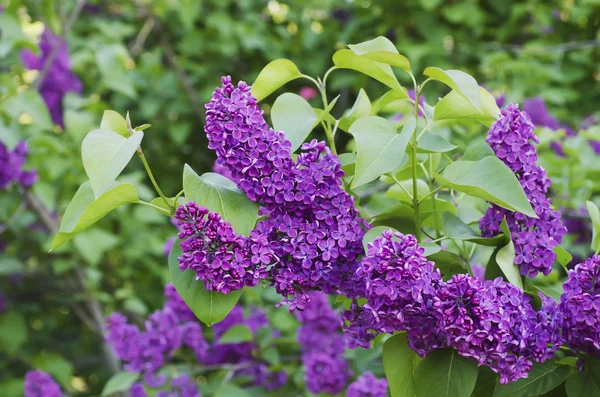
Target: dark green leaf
{"x": 209, "y": 306}
{"x": 56, "y": 365}
{"x": 13, "y": 332}
{"x": 399, "y": 363}
{"x": 456, "y": 229}
{"x": 587, "y": 382}
{"x": 443, "y": 373}
{"x": 486, "y": 381}
{"x": 489, "y": 179}
{"x": 563, "y": 256}
{"x": 542, "y": 378}
{"x": 448, "y": 262}
{"x": 221, "y": 195}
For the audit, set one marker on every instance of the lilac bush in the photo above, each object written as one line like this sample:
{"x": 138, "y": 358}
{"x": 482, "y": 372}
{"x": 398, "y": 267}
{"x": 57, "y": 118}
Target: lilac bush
{"x": 59, "y": 79}
{"x": 367, "y": 385}
{"x": 511, "y": 138}
{"x": 11, "y": 167}
{"x": 40, "y": 384}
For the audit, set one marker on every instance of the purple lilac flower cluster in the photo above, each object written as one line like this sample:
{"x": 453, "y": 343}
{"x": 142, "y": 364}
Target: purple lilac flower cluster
{"x": 174, "y": 327}
{"x": 221, "y": 258}
{"x": 367, "y": 385}
{"x": 179, "y": 386}
{"x": 535, "y": 239}
{"x": 322, "y": 346}
{"x": 490, "y": 321}
{"x": 400, "y": 286}
{"x": 40, "y": 384}
{"x": 310, "y": 234}
{"x": 11, "y": 166}
{"x": 580, "y": 307}
{"x": 59, "y": 79}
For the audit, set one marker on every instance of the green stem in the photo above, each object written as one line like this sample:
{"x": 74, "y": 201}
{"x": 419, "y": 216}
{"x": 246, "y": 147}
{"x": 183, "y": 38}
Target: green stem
{"x": 156, "y": 207}
{"x": 176, "y": 201}
{"x": 433, "y": 202}
{"x": 400, "y": 185}
{"x": 328, "y": 131}
{"x": 413, "y": 153}
{"x": 149, "y": 172}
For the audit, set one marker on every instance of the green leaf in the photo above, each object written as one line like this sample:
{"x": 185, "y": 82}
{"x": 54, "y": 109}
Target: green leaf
{"x": 119, "y": 382}
{"x": 455, "y": 106}
{"x": 159, "y": 202}
{"x": 230, "y": 390}
{"x": 448, "y": 262}
{"x": 463, "y": 83}
{"x": 56, "y": 365}
{"x": 293, "y": 115}
{"x": 587, "y": 382}
{"x": 373, "y": 233}
{"x": 456, "y": 229}
{"x": 361, "y": 108}
{"x": 221, "y": 195}
{"x": 29, "y": 102}
{"x": 13, "y": 332}
{"x": 105, "y": 155}
{"x": 113, "y": 121}
{"x": 237, "y": 334}
{"x": 347, "y": 59}
{"x": 83, "y": 211}
{"x": 210, "y": 307}
{"x": 112, "y": 60}
{"x": 443, "y": 373}
{"x": 595, "y": 217}
{"x": 542, "y": 378}
{"x": 348, "y": 162}
{"x": 433, "y": 143}
{"x": 380, "y": 148}
{"x": 505, "y": 258}
{"x": 93, "y": 243}
{"x": 382, "y": 50}
{"x": 430, "y": 248}
{"x": 8, "y": 136}
{"x": 563, "y": 256}
{"x": 397, "y": 193}
{"x": 386, "y": 99}
{"x": 273, "y": 76}
{"x": 12, "y": 34}
{"x": 489, "y": 179}
{"x": 399, "y": 363}
{"x": 486, "y": 381}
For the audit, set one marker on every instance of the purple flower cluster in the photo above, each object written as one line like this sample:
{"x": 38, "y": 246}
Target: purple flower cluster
{"x": 400, "y": 285}
{"x": 535, "y": 239}
{"x": 322, "y": 346}
{"x": 367, "y": 385}
{"x": 11, "y": 166}
{"x": 179, "y": 386}
{"x": 174, "y": 327}
{"x": 59, "y": 79}
{"x": 580, "y": 307}
{"x": 40, "y": 384}
{"x": 221, "y": 258}
{"x": 490, "y": 321}
{"x": 310, "y": 234}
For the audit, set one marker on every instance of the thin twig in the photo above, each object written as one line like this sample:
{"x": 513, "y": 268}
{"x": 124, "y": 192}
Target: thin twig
{"x": 56, "y": 45}
{"x": 140, "y": 40}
